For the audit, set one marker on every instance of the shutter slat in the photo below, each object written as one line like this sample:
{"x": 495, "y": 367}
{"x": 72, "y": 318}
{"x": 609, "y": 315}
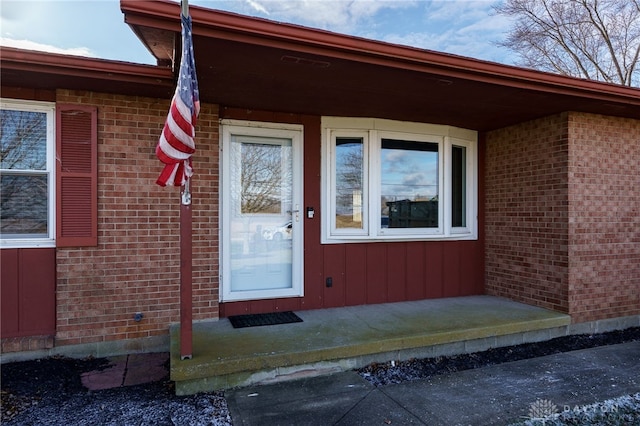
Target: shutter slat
{"x": 76, "y": 220}
{"x": 76, "y": 176}
{"x": 76, "y": 134}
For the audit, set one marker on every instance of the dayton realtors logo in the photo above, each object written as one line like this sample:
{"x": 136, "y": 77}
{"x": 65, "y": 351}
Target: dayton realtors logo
{"x": 542, "y": 408}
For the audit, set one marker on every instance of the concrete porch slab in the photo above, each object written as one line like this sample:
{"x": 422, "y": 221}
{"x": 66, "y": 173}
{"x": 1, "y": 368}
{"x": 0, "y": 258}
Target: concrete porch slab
{"x": 338, "y": 339}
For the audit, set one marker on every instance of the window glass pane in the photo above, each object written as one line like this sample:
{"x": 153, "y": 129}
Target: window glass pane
{"x": 459, "y": 186}
{"x": 24, "y": 201}
{"x": 262, "y": 190}
{"x": 23, "y": 140}
{"x": 349, "y": 182}
{"x": 409, "y": 184}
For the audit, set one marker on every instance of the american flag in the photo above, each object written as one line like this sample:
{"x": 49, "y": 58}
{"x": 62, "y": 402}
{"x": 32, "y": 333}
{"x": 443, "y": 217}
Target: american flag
{"x": 176, "y": 144}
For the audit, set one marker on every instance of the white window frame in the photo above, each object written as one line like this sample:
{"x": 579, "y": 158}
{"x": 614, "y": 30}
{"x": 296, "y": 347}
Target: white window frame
{"x": 471, "y": 185}
{"x": 372, "y": 131}
{"x": 350, "y": 232}
{"x": 49, "y": 109}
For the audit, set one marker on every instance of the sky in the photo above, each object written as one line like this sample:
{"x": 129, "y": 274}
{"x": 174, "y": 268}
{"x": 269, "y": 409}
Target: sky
{"x": 96, "y": 28}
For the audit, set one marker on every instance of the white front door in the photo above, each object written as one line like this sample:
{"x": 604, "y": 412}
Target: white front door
{"x": 262, "y": 241}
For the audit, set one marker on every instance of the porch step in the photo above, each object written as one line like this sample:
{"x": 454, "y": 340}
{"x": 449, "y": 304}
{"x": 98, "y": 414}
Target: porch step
{"x": 338, "y": 339}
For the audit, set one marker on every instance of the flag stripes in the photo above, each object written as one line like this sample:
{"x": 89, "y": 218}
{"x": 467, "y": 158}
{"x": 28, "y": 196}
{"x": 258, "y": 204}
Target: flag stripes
{"x": 176, "y": 144}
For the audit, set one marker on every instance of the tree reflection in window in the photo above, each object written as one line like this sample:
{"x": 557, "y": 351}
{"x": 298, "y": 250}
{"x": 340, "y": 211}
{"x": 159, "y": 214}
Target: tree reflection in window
{"x": 265, "y": 183}
{"x": 24, "y": 186}
{"x": 349, "y": 182}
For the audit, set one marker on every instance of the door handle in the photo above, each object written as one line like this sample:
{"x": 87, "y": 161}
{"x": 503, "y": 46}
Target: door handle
{"x": 297, "y": 212}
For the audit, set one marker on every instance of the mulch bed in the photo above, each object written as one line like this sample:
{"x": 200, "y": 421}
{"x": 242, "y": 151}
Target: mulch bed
{"x": 49, "y": 391}
{"x": 381, "y": 374}
{"x": 27, "y": 383}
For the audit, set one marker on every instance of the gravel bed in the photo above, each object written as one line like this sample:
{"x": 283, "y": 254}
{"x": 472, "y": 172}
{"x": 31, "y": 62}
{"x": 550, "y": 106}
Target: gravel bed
{"x": 50, "y": 392}
{"x": 381, "y": 374}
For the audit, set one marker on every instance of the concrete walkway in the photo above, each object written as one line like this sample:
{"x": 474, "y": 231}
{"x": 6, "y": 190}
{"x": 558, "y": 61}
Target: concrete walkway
{"x": 128, "y": 370}
{"x": 340, "y": 339}
{"x": 495, "y": 395}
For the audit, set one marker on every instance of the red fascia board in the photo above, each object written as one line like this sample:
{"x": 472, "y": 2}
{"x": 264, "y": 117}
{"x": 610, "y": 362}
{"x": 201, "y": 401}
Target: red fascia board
{"x": 80, "y": 66}
{"x": 165, "y": 14}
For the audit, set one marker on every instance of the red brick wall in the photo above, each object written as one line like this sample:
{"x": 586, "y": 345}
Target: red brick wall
{"x": 135, "y": 267}
{"x": 604, "y": 206}
{"x": 526, "y": 211}
{"x": 563, "y": 215}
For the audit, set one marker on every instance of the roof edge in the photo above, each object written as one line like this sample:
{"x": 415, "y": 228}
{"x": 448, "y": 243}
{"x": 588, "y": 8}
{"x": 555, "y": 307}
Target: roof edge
{"x": 55, "y": 63}
{"x": 164, "y": 14}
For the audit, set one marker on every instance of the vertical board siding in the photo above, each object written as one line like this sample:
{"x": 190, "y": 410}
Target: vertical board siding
{"x": 377, "y": 266}
{"x": 415, "y": 271}
{"x": 356, "y": 274}
{"x": 397, "y": 273}
{"x": 365, "y": 273}
{"x": 334, "y": 268}
{"x": 433, "y": 260}
{"x": 313, "y": 254}
{"x": 28, "y": 292}
{"x": 451, "y": 269}
{"x": 9, "y": 292}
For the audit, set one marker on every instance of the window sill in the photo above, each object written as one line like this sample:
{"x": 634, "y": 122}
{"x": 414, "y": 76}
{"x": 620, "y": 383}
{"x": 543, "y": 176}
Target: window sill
{"x": 13, "y": 244}
{"x": 399, "y": 239}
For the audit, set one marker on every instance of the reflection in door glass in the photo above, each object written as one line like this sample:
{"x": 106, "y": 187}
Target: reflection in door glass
{"x": 261, "y": 178}
{"x": 260, "y": 213}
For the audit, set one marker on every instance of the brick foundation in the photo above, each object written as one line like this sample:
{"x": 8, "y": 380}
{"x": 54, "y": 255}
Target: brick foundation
{"x": 29, "y": 343}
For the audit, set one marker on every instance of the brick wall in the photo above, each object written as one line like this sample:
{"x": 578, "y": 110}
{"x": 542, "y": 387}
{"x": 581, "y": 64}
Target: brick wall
{"x": 563, "y": 215}
{"x": 135, "y": 267}
{"x": 526, "y": 213}
{"x": 604, "y": 206}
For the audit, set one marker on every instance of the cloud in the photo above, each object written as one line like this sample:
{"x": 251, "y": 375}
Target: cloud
{"x": 258, "y": 7}
{"x": 334, "y": 15}
{"x": 466, "y": 28}
{"x": 32, "y": 45}
{"x": 416, "y": 179}
{"x": 92, "y": 28}
{"x": 22, "y": 17}
{"x": 406, "y": 174}
{"x": 457, "y": 11}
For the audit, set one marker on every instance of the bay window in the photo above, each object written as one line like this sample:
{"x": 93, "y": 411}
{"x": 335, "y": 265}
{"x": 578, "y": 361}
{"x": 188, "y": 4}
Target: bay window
{"x": 389, "y": 180}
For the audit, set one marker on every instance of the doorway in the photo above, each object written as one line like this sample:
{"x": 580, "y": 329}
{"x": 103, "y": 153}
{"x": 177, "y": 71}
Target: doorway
{"x": 261, "y": 211}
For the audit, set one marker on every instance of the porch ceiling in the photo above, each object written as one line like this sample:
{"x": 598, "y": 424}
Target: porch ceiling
{"x": 253, "y": 63}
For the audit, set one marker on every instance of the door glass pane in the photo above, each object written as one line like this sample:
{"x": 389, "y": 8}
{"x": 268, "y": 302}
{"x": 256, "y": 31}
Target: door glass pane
{"x": 261, "y": 213}
{"x": 459, "y": 186}
{"x": 349, "y": 181}
{"x": 23, "y": 140}
{"x": 24, "y": 203}
{"x": 409, "y": 184}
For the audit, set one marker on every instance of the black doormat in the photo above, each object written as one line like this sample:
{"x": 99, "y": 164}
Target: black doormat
{"x": 256, "y": 320}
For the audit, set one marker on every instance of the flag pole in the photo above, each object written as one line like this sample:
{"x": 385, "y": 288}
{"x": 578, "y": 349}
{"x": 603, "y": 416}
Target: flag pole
{"x": 186, "y": 332}
{"x": 186, "y": 315}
